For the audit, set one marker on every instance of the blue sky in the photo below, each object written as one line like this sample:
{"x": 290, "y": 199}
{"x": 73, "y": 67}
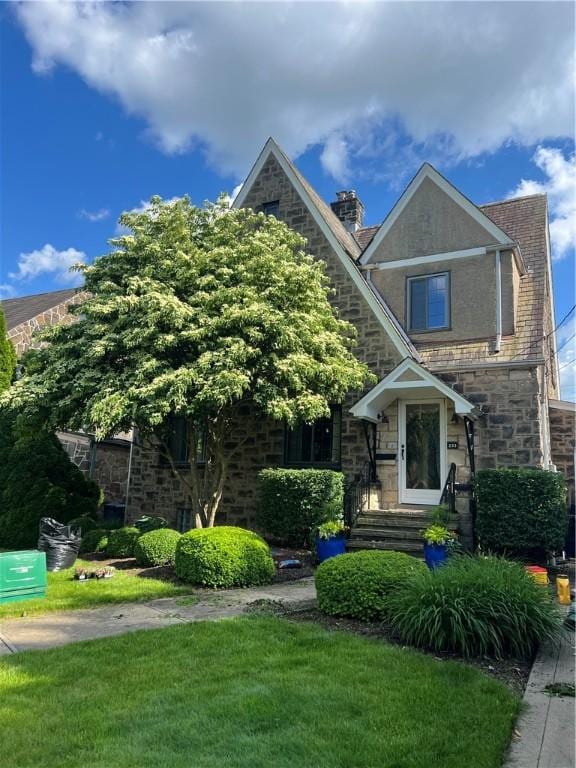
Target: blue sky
{"x": 104, "y": 105}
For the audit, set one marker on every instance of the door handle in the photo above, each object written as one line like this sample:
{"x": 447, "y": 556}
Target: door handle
{"x": 402, "y": 453}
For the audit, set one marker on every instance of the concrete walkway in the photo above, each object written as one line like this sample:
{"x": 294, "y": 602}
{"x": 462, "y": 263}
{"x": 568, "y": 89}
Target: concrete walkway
{"x": 546, "y": 726}
{"x": 54, "y": 629}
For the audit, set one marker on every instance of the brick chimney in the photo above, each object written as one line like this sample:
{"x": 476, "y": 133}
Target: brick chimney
{"x": 349, "y": 209}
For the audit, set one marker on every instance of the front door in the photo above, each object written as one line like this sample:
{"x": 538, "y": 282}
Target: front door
{"x": 422, "y": 454}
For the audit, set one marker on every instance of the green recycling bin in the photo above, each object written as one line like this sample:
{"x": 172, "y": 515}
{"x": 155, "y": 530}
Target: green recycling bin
{"x": 22, "y": 575}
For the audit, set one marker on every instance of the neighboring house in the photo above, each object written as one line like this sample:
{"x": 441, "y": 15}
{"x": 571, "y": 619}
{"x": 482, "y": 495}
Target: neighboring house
{"x": 453, "y": 305}
{"x": 106, "y": 462}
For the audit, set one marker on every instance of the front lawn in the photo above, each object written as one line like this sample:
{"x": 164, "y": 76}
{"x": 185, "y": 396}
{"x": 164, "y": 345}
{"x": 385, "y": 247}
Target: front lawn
{"x": 65, "y": 594}
{"x": 248, "y": 693}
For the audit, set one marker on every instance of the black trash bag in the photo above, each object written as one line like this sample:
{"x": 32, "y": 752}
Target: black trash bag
{"x": 61, "y": 544}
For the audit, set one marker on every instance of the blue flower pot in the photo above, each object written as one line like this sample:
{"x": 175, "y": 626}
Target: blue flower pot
{"x": 327, "y": 548}
{"x": 435, "y": 555}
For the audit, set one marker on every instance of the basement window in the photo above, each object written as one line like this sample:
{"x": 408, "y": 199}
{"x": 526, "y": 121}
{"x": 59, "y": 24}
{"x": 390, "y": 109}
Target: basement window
{"x": 428, "y": 299}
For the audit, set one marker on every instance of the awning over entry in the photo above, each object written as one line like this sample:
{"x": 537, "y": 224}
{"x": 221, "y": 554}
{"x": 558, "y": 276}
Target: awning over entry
{"x": 412, "y": 381}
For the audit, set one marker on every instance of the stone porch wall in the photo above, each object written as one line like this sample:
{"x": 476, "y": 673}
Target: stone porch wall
{"x": 563, "y": 444}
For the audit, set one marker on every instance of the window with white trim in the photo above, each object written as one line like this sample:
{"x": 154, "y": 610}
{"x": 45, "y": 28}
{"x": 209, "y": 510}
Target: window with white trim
{"x": 428, "y": 302}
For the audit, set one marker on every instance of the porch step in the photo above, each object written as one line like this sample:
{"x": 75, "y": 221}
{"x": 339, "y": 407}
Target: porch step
{"x": 409, "y": 547}
{"x": 390, "y": 534}
{"x": 377, "y": 518}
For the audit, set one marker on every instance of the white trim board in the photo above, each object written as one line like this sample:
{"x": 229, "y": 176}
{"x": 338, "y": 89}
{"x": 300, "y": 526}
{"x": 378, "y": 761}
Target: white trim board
{"x": 428, "y": 172}
{"x": 431, "y": 259}
{"x": 426, "y": 381}
{"x": 271, "y": 148}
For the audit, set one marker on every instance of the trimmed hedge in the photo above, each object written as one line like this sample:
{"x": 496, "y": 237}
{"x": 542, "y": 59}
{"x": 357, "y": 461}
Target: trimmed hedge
{"x": 521, "y": 511}
{"x": 294, "y": 502}
{"x": 475, "y": 606}
{"x": 224, "y": 556}
{"x": 157, "y": 547}
{"x": 150, "y": 523}
{"x": 94, "y": 541}
{"x": 358, "y": 584}
{"x": 122, "y": 541}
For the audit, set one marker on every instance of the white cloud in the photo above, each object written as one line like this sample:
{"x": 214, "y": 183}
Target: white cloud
{"x": 454, "y": 77}
{"x": 6, "y": 291}
{"x": 560, "y": 186}
{"x": 49, "y": 260}
{"x": 100, "y": 215}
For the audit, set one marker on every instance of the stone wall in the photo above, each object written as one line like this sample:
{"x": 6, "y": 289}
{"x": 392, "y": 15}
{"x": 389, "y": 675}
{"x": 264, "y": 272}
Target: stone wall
{"x": 563, "y": 443}
{"x": 107, "y": 466}
{"x": 22, "y": 335}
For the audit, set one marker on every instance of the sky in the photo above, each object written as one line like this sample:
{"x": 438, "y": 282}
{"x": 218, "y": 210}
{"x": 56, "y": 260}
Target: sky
{"x": 103, "y": 105}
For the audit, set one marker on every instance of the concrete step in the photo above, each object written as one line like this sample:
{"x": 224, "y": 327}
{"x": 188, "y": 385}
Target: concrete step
{"x": 392, "y": 534}
{"x": 409, "y": 547}
{"x": 377, "y": 519}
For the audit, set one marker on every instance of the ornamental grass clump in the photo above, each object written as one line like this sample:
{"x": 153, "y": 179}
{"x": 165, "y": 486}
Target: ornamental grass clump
{"x": 157, "y": 547}
{"x": 475, "y": 606}
{"x": 224, "y": 556}
{"x": 359, "y": 584}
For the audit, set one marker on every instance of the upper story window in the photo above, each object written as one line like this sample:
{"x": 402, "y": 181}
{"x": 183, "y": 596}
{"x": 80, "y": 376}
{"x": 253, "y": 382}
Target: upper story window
{"x": 271, "y": 208}
{"x": 316, "y": 444}
{"x": 429, "y": 302}
{"x": 177, "y": 442}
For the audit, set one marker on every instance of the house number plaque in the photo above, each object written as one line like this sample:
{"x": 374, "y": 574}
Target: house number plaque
{"x": 452, "y": 444}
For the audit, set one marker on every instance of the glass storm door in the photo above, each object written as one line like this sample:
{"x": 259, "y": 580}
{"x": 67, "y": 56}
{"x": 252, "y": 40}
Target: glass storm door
{"x": 422, "y": 465}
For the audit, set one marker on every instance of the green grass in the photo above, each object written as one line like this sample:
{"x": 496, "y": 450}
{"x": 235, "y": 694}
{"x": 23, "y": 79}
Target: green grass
{"x": 65, "y": 594}
{"x": 248, "y": 693}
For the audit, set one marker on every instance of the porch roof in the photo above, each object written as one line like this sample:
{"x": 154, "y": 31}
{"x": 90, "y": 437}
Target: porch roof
{"x": 409, "y": 380}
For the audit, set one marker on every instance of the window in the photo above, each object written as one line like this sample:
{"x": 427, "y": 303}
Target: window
{"x": 316, "y": 444}
{"x": 428, "y": 302}
{"x": 183, "y": 519}
{"x": 177, "y": 441}
{"x": 271, "y": 208}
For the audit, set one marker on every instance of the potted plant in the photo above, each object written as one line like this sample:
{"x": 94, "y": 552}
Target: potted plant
{"x": 436, "y": 541}
{"x": 330, "y": 539}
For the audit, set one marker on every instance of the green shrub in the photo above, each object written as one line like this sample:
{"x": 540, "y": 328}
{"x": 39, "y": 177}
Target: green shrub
{"x": 7, "y": 356}
{"x": 358, "y": 584}
{"x": 94, "y": 541}
{"x": 122, "y": 541}
{"x": 85, "y": 523}
{"x": 294, "y": 502}
{"x": 157, "y": 547}
{"x": 37, "y": 479}
{"x": 224, "y": 556}
{"x": 475, "y": 606}
{"x": 150, "y": 523}
{"x": 521, "y": 511}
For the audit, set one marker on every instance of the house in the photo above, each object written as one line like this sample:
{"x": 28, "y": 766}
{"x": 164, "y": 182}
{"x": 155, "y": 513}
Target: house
{"x": 453, "y": 304}
{"x": 106, "y": 462}
{"x": 454, "y": 308}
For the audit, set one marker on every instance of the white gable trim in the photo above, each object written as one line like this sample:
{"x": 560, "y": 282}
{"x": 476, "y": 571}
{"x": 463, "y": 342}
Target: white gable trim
{"x": 368, "y": 407}
{"x": 428, "y": 172}
{"x": 271, "y": 148}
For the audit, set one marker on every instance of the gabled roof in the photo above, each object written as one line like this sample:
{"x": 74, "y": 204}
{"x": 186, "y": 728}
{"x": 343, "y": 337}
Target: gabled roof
{"x": 337, "y": 235}
{"x": 24, "y": 308}
{"x": 408, "y": 378}
{"x": 428, "y": 172}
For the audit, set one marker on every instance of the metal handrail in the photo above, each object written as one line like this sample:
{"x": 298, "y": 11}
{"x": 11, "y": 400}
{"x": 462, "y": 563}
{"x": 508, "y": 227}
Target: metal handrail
{"x": 449, "y": 491}
{"x": 356, "y": 495}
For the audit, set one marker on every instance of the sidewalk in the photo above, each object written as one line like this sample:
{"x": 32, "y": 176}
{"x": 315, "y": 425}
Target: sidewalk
{"x": 54, "y": 629}
{"x": 546, "y": 725}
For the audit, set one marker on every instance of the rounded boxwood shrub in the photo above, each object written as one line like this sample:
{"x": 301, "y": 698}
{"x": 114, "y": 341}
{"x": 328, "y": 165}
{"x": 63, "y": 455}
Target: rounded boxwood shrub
{"x": 475, "y": 606}
{"x": 224, "y": 556}
{"x": 150, "y": 523}
{"x": 95, "y": 540}
{"x": 522, "y": 512}
{"x": 294, "y": 502}
{"x": 358, "y": 584}
{"x": 122, "y": 541}
{"x": 157, "y": 547}
{"x": 85, "y": 523}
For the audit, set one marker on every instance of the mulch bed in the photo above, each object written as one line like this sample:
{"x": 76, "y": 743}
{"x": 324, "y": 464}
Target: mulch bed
{"x": 512, "y": 672}
{"x": 306, "y": 558}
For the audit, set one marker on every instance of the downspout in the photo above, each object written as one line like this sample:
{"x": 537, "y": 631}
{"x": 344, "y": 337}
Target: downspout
{"x": 498, "y": 344}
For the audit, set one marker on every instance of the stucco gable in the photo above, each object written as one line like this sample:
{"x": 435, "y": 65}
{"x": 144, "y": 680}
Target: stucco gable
{"x": 431, "y": 217}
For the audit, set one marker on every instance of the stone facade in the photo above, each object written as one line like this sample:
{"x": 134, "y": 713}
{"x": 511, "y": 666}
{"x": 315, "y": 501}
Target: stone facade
{"x": 22, "y": 335}
{"x": 563, "y": 442}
